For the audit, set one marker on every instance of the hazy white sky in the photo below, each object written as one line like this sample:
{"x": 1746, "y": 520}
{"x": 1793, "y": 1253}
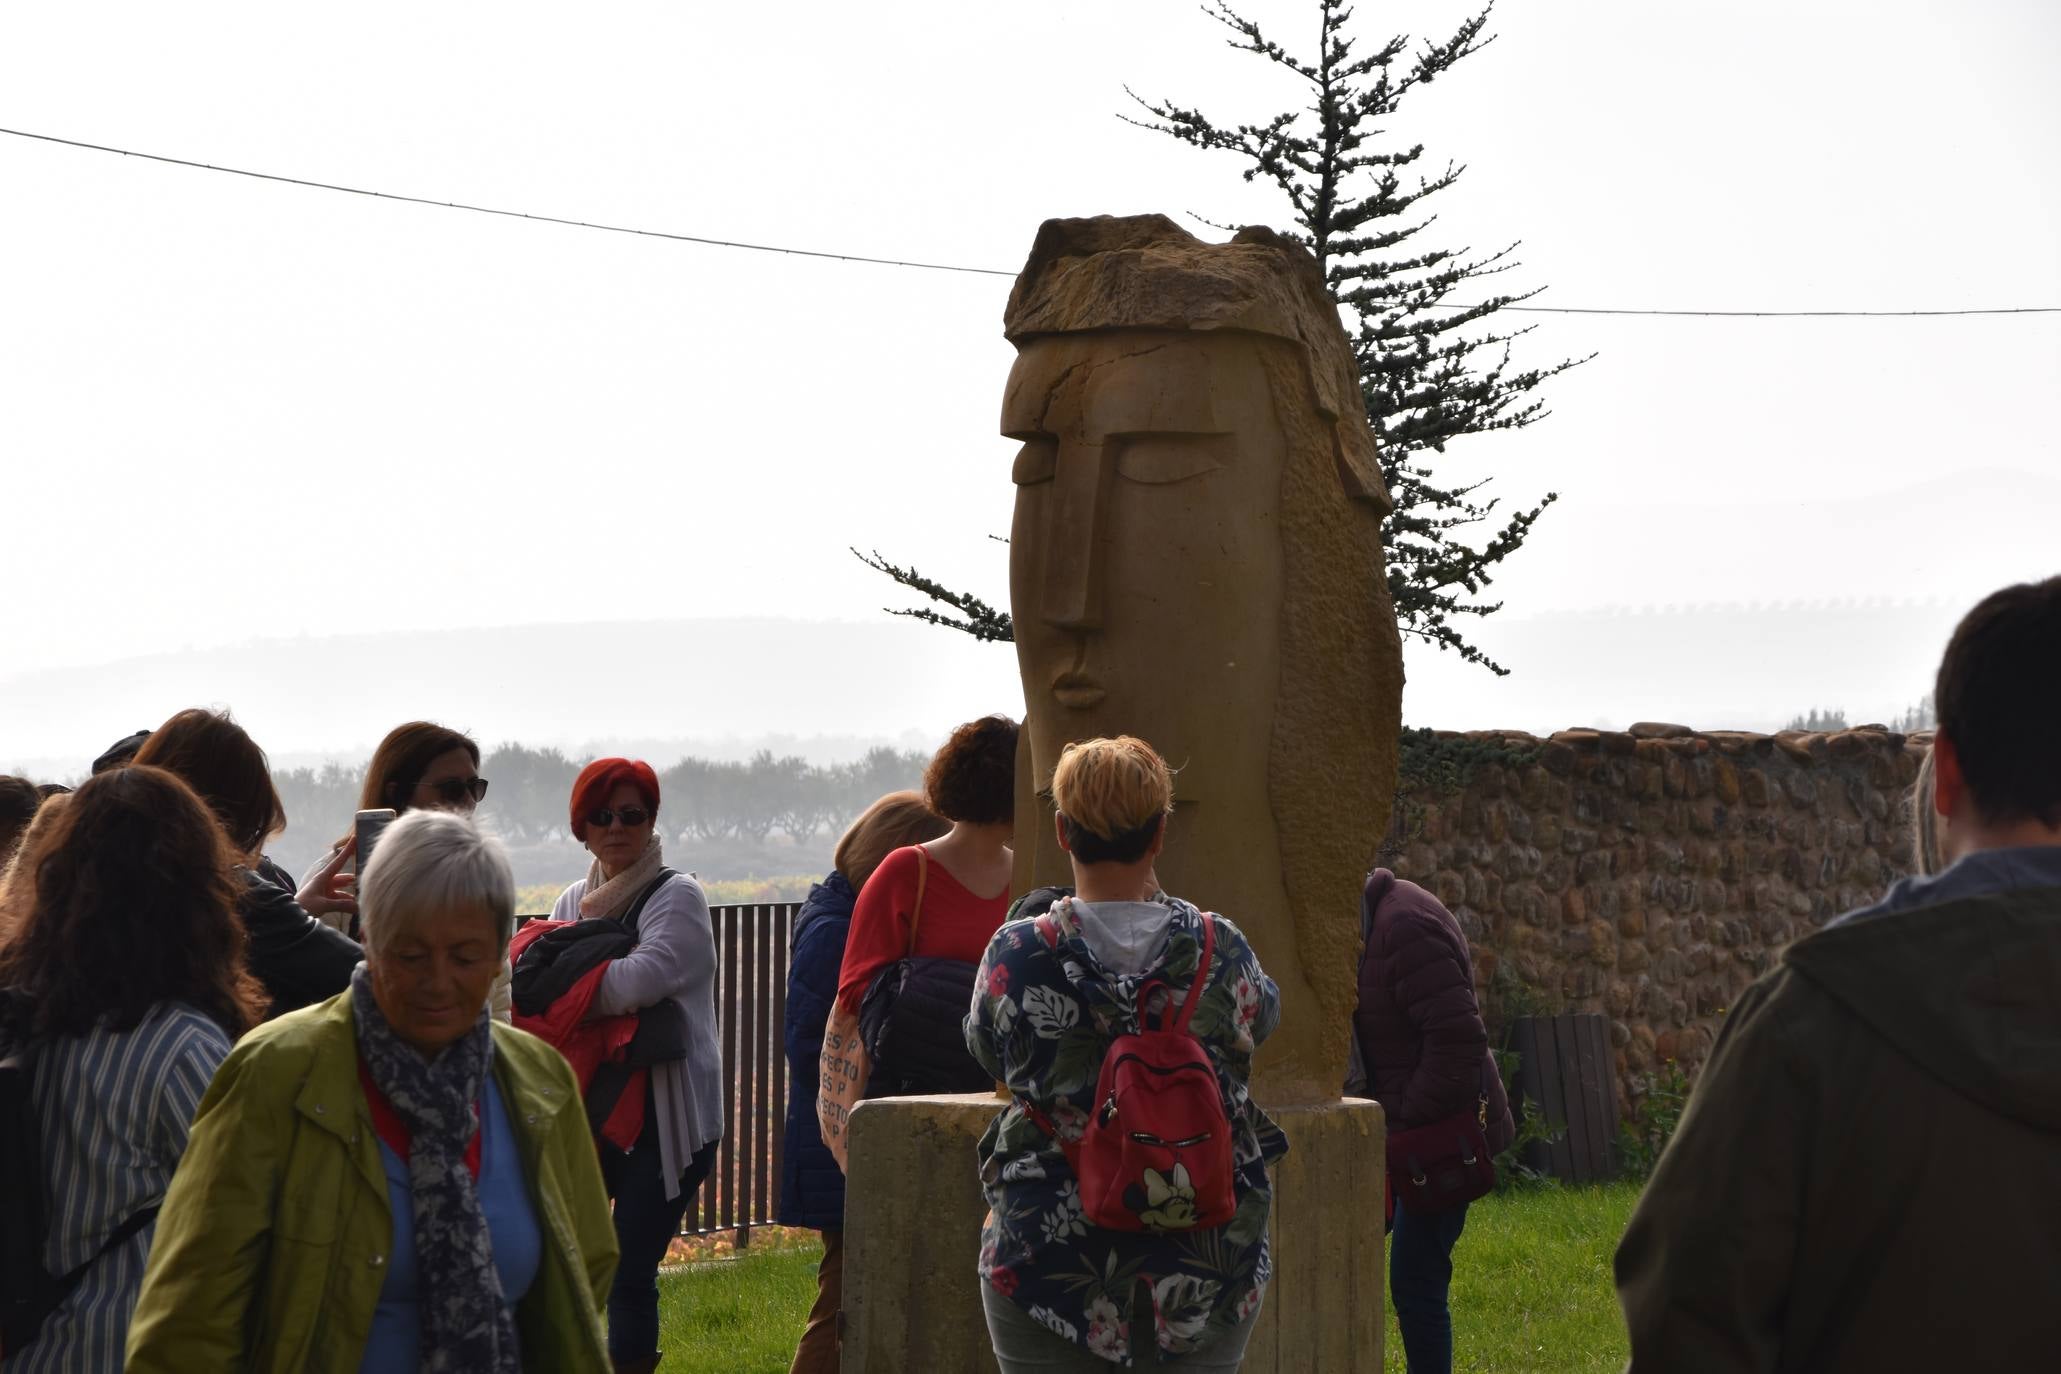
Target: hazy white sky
{"x": 236, "y": 409}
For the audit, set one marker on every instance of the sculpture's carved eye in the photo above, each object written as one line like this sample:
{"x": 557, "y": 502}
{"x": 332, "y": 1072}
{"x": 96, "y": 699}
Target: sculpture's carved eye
{"x": 1036, "y": 461}
{"x": 1157, "y": 459}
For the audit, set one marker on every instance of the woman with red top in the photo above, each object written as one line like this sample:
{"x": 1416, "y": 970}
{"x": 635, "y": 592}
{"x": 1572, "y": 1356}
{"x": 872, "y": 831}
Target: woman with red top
{"x": 964, "y": 882}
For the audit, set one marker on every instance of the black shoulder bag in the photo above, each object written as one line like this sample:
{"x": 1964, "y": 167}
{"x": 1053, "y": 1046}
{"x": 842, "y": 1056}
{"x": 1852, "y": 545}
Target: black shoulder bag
{"x": 910, "y": 1015}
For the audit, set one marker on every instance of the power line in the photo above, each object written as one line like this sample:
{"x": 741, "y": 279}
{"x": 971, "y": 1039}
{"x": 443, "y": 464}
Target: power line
{"x": 512, "y": 214}
{"x": 945, "y": 266}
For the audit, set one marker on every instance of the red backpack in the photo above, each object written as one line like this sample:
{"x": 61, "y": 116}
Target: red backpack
{"x": 1156, "y": 1154}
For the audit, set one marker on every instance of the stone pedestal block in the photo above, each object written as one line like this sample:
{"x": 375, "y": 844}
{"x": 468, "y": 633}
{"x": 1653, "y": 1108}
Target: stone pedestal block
{"x": 913, "y": 1212}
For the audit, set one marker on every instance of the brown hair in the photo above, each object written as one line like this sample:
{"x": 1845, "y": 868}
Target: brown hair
{"x": 973, "y": 777}
{"x": 402, "y": 756}
{"x": 211, "y": 754}
{"x": 19, "y": 799}
{"x": 131, "y": 902}
{"x": 399, "y": 760}
{"x": 1995, "y": 697}
{"x": 16, "y": 889}
{"x": 896, "y": 821}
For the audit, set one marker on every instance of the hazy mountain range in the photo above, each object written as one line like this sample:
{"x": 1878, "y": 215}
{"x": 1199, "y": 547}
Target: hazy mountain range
{"x": 830, "y": 690}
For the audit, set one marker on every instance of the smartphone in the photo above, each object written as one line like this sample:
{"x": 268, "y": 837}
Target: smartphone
{"x": 370, "y": 826}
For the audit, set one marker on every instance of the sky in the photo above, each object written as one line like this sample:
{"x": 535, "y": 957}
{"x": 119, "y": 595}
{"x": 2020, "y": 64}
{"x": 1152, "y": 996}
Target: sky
{"x": 258, "y": 419}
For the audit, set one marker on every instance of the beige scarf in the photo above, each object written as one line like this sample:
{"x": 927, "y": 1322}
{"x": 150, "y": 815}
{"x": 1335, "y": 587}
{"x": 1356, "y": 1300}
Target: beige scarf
{"x": 612, "y": 896}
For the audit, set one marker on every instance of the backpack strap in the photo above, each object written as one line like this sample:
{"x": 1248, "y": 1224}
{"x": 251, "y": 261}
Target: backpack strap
{"x": 630, "y": 918}
{"x": 1187, "y": 1011}
{"x": 131, "y": 1224}
{"x": 916, "y": 911}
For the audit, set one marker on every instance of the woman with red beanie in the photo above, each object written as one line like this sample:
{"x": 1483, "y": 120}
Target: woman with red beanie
{"x": 615, "y": 814}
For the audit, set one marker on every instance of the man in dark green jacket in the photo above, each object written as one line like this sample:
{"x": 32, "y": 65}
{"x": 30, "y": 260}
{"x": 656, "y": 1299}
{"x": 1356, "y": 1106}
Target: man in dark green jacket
{"x": 1868, "y": 1176}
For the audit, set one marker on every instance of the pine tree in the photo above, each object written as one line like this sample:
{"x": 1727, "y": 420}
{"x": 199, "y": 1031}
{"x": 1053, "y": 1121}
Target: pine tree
{"x": 1426, "y": 376}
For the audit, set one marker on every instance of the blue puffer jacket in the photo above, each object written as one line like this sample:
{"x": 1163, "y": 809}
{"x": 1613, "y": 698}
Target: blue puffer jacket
{"x": 811, "y": 1184}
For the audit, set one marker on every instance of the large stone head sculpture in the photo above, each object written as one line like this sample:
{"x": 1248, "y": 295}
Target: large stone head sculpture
{"x": 1196, "y": 560}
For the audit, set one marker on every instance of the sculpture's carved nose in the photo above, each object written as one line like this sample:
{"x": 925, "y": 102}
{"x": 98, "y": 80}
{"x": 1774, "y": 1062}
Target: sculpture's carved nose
{"x": 1073, "y": 558}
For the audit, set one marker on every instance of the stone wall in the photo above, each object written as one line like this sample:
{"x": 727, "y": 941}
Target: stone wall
{"x": 1652, "y": 874}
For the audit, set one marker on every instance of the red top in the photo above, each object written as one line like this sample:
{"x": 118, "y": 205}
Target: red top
{"x": 954, "y": 923}
{"x": 395, "y": 1132}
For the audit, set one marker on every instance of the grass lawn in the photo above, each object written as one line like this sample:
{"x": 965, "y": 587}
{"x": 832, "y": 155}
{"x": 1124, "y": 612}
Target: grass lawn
{"x": 1531, "y": 1293}
{"x": 741, "y": 1314}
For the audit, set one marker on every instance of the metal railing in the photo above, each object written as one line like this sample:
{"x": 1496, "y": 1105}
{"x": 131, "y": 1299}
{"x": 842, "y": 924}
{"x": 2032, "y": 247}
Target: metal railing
{"x": 743, "y": 1188}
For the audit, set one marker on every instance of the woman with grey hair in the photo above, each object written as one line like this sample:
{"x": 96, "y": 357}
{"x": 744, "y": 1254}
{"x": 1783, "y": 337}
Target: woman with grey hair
{"x": 390, "y": 1179}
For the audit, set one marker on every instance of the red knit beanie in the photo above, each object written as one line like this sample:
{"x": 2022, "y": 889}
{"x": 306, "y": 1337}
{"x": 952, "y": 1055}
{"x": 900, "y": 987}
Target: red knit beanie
{"x": 599, "y": 778}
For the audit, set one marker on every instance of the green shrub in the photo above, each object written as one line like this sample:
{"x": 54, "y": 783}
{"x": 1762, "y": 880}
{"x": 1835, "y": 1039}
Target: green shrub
{"x": 1512, "y": 1173}
{"x": 1661, "y": 1097}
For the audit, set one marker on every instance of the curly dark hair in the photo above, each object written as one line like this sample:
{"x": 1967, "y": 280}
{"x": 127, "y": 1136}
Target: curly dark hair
{"x": 973, "y": 778}
{"x": 1995, "y": 699}
{"x": 211, "y": 753}
{"x": 132, "y": 903}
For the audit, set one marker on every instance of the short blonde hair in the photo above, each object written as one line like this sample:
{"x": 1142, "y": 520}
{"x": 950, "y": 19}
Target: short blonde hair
{"x": 433, "y": 861}
{"x": 895, "y": 821}
{"x": 1110, "y": 787}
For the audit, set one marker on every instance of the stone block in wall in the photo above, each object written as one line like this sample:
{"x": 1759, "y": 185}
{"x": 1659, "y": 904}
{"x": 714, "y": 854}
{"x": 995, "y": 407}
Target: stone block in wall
{"x": 1524, "y": 902}
{"x": 1753, "y": 786}
{"x": 1795, "y": 743}
{"x": 1579, "y": 983}
{"x": 1801, "y": 789}
{"x": 1725, "y": 776}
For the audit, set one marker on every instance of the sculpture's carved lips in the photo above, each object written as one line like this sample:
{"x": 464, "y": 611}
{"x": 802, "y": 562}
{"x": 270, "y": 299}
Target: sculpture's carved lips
{"x": 1076, "y": 691}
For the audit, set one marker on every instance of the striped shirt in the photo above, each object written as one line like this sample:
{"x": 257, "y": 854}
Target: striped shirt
{"x": 112, "y": 1111}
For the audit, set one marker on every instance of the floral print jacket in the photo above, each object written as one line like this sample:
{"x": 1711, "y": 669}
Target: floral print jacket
{"x": 1044, "y": 1011}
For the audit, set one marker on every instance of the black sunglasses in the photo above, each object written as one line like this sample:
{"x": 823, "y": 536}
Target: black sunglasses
{"x": 455, "y": 790}
{"x": 631, "y": 817}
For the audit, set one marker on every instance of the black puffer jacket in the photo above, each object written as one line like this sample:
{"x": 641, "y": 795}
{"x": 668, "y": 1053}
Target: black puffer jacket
{"x": 1418, "y": 1027}
{"x": 298, "y": 959}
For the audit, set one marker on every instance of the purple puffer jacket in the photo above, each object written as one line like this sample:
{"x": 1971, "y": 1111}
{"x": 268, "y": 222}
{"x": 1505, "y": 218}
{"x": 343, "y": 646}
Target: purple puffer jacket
{"x": 1418, "y": 1026}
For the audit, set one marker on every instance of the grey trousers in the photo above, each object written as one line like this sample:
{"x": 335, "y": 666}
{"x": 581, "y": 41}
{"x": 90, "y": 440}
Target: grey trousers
{"x": 1022, "y": 1346}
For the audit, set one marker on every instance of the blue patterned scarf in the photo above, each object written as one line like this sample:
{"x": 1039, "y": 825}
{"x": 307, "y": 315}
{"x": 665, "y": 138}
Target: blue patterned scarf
{"x": 466, "y": 1326}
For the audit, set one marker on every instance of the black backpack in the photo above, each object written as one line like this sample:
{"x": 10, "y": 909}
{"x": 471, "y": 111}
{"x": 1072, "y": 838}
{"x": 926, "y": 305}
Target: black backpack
{"x": 29, "y": 1293}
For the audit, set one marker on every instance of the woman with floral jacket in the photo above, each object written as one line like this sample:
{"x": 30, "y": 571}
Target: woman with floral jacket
{"x": 1053, "y": 991}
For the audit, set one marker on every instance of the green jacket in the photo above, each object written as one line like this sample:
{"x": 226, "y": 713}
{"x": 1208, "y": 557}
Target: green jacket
{"x": 1865, "y": 1178}
{"x": 272, "y": 1246}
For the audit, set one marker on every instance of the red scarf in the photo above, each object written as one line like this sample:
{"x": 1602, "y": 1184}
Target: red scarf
{"x": 395, "y": 1132}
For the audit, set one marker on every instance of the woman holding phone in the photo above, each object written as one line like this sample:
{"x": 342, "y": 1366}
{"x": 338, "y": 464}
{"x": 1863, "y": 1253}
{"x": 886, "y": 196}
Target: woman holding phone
{"x": 420, "y": 764}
